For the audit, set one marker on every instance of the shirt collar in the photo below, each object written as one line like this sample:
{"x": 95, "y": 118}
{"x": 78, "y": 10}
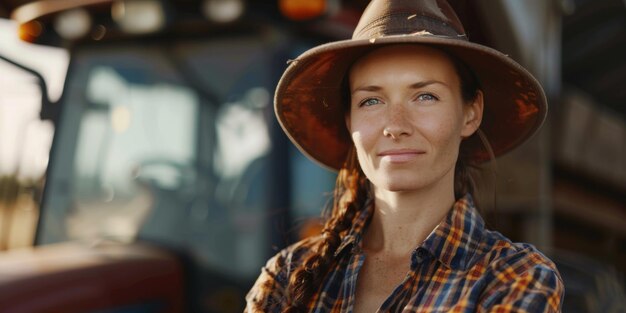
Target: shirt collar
{"x": 452, "y": 242}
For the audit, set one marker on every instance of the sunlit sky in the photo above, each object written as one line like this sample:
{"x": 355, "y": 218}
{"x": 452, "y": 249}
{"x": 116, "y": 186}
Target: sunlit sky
{"x": 24, "y": 139}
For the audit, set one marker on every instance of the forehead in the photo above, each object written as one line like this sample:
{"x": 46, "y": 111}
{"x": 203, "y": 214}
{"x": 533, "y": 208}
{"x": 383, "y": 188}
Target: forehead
{"x": 395, "y": 60}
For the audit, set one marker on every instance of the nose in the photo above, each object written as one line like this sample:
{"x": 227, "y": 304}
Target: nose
{"x": 397, "y": 123}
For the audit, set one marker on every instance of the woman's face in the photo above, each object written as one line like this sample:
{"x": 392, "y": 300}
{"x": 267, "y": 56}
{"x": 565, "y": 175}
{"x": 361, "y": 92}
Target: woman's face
{"x": 407, "y": 117}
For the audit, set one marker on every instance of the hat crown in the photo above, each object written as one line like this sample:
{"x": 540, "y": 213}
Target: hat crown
{"x": 409, "y": 17}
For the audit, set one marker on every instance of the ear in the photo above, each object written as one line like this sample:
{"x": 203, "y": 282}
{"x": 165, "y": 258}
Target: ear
{"x": 473, "y": 115}
{"x": 347, "y": 118}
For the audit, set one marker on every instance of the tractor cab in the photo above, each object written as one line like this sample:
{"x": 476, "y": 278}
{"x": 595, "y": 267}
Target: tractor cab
{"x": 170, "y": 183}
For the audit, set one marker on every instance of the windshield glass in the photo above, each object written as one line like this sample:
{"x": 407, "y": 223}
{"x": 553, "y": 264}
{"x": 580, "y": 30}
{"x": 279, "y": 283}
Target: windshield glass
{"x": 178, "y": 145}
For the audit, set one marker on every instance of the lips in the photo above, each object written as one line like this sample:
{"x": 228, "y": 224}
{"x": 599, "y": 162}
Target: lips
{"x": 400, "y": 155}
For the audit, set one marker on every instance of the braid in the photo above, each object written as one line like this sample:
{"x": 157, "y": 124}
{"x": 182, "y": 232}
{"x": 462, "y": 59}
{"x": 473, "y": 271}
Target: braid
{"x": 349, "y": 196}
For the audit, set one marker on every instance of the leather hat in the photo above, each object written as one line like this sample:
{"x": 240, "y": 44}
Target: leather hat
{"x": 308, "y": 99}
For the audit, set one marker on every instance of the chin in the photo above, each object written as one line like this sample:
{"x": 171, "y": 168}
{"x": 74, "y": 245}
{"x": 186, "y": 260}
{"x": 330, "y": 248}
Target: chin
{"x": 401, "y": 184}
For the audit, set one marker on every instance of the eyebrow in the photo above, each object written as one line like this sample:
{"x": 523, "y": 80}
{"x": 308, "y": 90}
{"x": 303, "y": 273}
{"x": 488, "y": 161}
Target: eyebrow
{"x": 417, "y": 85}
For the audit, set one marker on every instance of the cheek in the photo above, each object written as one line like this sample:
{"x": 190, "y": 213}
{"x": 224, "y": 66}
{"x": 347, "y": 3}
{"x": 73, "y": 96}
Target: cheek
{"x": 361, "y": 127}
{"x": 443, "y": 130}
{"x": 364, "y": 132}
{"x": 362, "y": 136}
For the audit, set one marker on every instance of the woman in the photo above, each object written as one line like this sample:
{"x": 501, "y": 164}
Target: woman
{"x": 398, "y": 111}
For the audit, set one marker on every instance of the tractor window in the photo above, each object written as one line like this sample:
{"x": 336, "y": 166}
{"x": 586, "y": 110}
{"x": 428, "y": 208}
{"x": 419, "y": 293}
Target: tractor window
{"x": 134, "y": 136}
{"x": 312, "y": 189}
{"x": 172, "y": 147}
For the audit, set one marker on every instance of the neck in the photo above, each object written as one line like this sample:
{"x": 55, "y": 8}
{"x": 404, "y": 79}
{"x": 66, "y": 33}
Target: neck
{"x": 403, "y": 220}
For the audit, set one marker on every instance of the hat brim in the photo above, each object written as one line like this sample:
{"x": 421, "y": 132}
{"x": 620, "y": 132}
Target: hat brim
{"x": 308, "y": 99}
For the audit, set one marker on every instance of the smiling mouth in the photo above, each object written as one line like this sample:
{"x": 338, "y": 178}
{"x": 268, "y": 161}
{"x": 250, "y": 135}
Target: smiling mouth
{"x": 400, "y": 155}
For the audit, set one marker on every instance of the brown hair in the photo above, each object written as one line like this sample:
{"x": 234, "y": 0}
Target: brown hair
{"x": 350, "y": 194}
{"x": 470, "y": 85}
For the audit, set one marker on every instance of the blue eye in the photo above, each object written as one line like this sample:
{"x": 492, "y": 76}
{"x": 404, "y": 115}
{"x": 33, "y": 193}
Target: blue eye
{"x": 426, "y": 97}
{"x": 369, "y": 102}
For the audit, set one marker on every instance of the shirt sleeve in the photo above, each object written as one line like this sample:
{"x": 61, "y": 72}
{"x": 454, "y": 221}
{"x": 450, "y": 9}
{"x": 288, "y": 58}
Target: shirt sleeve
{"x": 269, "y": 290}
{"x": 533, "y": 289}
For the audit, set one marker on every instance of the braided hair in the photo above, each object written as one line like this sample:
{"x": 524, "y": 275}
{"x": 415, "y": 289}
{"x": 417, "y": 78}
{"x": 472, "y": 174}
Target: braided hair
{"x": 350, "y": 195}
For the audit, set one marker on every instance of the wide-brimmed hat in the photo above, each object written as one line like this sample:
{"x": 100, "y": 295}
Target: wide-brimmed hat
{"x": 309, "y": 96}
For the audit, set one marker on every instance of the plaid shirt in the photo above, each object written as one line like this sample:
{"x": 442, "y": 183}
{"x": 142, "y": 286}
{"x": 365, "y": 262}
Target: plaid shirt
{"x": 460, "y": 267}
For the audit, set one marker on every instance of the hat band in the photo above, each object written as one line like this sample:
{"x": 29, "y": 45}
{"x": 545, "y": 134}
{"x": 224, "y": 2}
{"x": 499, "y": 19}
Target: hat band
{"x": 402, "y": 23}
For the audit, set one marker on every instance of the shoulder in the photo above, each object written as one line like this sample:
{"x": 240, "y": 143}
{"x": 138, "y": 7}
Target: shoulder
{"x": 292, "y": 256}
{"x": 501, "y": 254}
{"x": 270, "y": 288}
{"x": 519, "y": 276}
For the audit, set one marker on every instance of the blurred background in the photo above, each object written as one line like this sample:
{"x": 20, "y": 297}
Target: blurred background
{"x": 142, "y": 168}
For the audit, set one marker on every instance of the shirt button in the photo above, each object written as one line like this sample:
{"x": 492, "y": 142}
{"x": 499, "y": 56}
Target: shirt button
{"x": 420, "y": 255}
